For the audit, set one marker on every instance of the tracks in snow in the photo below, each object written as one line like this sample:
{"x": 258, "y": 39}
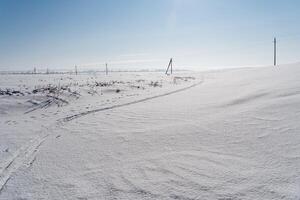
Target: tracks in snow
{"x": 19, "y": 158}
{"x": 69, "y": 118}
{"x": 29, "y": 151}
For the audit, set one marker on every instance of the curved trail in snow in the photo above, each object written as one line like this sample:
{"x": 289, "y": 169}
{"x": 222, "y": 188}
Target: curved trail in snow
{"x": 27, "y": 153}
{"x": 69, "y": 118}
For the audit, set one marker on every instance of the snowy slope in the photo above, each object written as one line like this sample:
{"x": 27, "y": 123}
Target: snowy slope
{"x": 231, "y": 134}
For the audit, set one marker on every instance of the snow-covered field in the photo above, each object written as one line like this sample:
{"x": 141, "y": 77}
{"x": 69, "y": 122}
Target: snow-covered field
{"x": 228, "y": 134}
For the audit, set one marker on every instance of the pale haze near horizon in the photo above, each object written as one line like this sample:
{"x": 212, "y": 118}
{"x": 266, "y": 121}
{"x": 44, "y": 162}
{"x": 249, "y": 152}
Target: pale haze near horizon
{"x": 140, "y": 34}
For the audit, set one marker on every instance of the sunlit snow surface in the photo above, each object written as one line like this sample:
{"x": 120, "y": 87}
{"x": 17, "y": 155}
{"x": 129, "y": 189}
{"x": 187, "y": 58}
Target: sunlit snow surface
{"x": 231, "y": 134}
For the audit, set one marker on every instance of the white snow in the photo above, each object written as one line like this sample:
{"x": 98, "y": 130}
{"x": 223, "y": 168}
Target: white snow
{"x": 228, "y": 134}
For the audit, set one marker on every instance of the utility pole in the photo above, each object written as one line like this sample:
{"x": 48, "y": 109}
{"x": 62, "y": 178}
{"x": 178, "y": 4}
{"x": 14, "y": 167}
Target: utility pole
{"x": 34, "y": 70}
{"x": 275, "y": 59}
{"x": 170, "y": 65}
{"x": 76, "y": 70}
{"x": 106, "y": 69}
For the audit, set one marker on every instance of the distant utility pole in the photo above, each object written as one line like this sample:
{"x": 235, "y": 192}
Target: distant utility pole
{"x": 106, "y": 69}
{"x": 34, "y": 70}
{"x": 275, "y": 59}
{"x": 170, "y": 65}
{"x": 76, "y": 70}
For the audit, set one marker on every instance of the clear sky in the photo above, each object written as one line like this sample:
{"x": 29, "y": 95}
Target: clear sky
{"x": 198, "y": 34}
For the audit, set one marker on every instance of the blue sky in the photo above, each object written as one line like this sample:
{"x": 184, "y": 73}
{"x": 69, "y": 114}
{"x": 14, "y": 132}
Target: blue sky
{"x": 135, "y": 34}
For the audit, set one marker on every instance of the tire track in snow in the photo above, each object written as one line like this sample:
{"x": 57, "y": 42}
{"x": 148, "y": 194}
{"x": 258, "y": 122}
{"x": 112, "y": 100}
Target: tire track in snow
{"x": 28, "y": 151}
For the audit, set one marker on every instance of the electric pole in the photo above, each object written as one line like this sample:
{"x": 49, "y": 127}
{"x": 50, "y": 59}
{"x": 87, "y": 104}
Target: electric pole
{"x": 170, "y": 65}
{"x": 75, "y": 69}
{"x": 106, "y": 69}
{"x": 275, "y": 51}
